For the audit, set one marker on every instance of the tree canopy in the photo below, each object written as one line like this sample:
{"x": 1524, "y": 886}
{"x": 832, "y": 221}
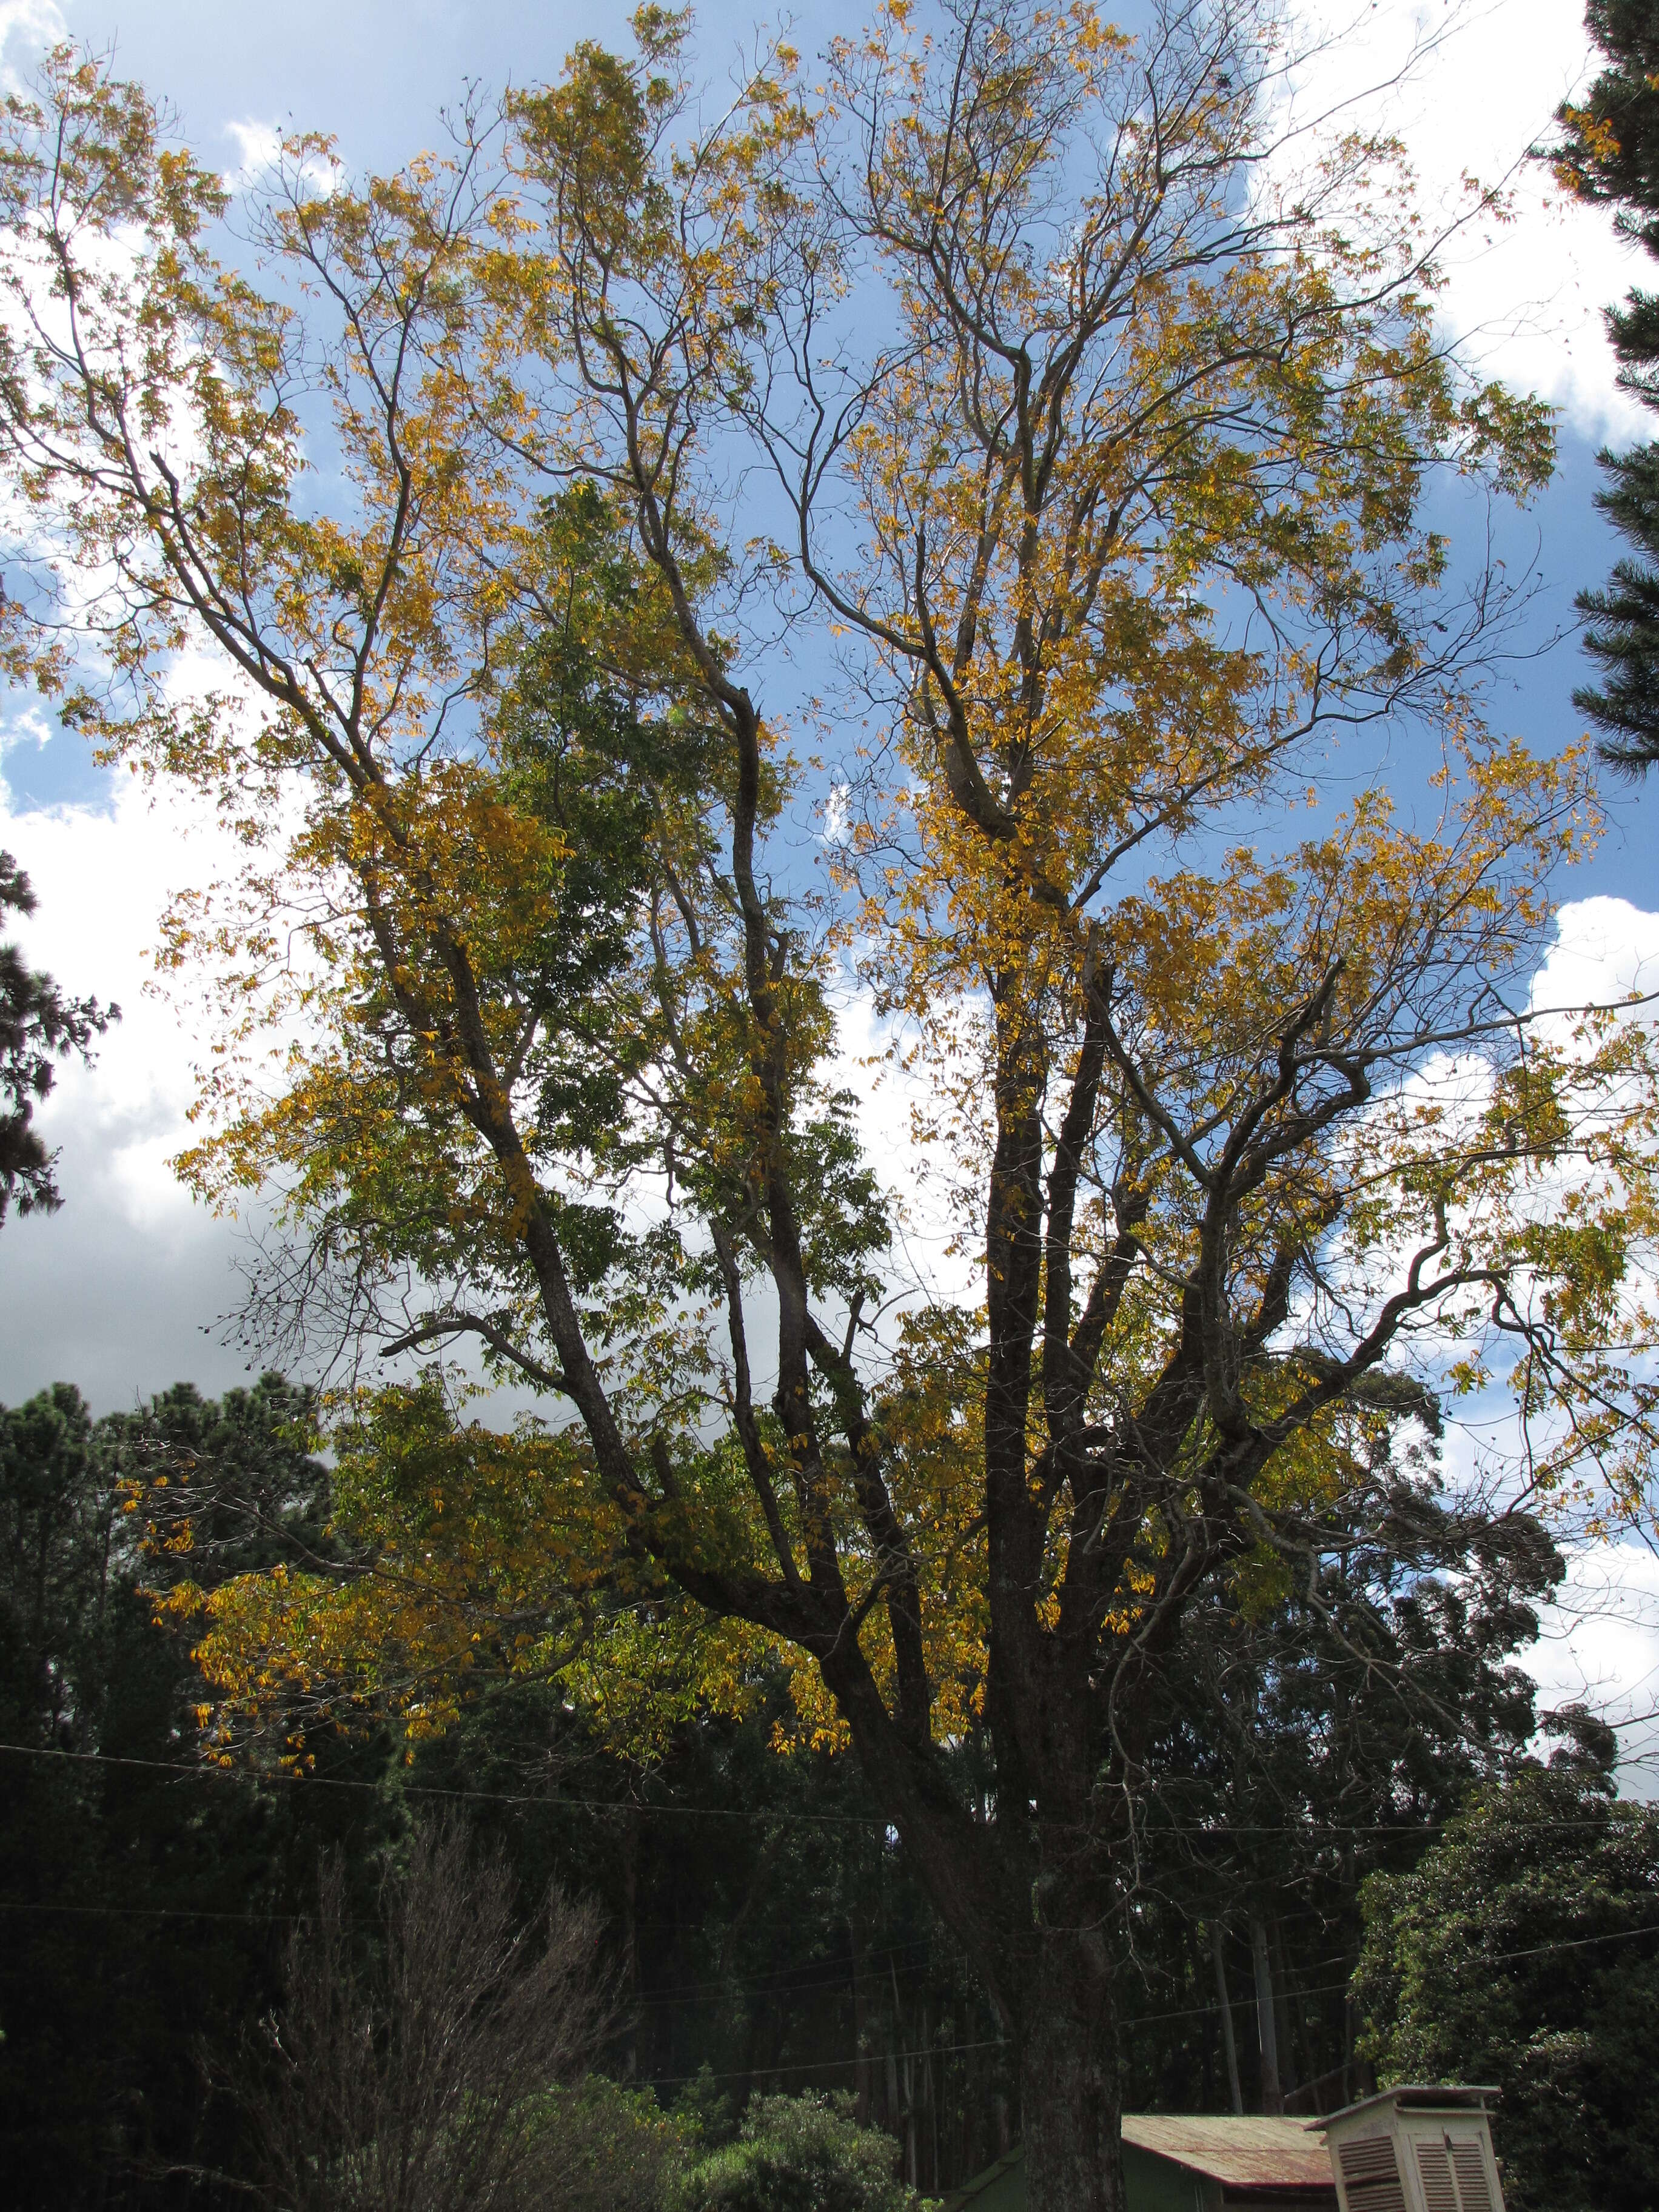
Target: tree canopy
{"x": 140, "y": 1888}
{"x": 1100, "y": 440}
{"x": 1524, "y": 1952}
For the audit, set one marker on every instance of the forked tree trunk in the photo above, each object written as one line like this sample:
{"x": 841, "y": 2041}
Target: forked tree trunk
{"x": 1071, "y": 2095}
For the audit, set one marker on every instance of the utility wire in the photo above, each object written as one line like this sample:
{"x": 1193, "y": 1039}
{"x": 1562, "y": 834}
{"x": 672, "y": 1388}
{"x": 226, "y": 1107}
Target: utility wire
{"x": 1133, "y": 2020}
{"x": 884, "y": 1959}
{"x": 866, "y": 1821}
{"x": 828, "y": 2065}
{"x": 670, "y": 2001}
{"x": 780, "y": 1978}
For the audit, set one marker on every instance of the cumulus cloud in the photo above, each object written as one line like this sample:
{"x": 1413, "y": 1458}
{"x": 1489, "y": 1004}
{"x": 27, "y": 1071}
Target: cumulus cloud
{"x": 1525, "y": 297}
{"x": 27, "y": 727}
{"x": 1600, "y": 1642}
{"x": 1600, "y": 1647}
{"x": 27, "y": 28}
{"x": 114, "y": 1291}
{"x": 258, "y": 145}
{"x": 1605, "y": 949}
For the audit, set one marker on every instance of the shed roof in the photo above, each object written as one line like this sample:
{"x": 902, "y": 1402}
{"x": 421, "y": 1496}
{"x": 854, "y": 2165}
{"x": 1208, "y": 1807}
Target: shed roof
{"x": 1249, "y": 2157}
{"x": 1250, "y": 2152}
{"x": 1422, "y": 2097}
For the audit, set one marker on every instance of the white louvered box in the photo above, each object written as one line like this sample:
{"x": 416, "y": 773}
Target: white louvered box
{"x": 1415, "y": 2149}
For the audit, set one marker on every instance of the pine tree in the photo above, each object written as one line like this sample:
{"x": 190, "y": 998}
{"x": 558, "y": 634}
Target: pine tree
{"x": 1610, "y": 154}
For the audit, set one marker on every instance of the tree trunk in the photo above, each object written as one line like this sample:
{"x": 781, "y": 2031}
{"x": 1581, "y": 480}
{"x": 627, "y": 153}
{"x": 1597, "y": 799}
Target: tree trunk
{"x": 1229, "y": 2042}
{"x": 861, "y": 2028}
{"x": 1071, "y": 2096}
{"x": 630, "y": 1867}
{"x": 929, "y": 2095}
{"x": 1292, "y": 2013}
{"x": 907, "y": 2077}
{"x": 1272, "y": 2100}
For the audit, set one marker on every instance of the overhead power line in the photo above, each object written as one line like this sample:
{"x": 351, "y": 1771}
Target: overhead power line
{"x": 206, "y": 1770}
{"x": 1133, "y": 2020}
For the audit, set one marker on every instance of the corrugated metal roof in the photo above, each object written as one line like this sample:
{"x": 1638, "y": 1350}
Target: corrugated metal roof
{"x": 1254, "y": 2152}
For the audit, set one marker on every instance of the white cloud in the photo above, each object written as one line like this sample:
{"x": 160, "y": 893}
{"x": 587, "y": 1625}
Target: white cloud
{"x": 27, "y": 28}
{"x": 1605, "y": 949}
{"x": 1600, "y": 1647}
{"x": 258, "y": 144}
{"x": 1599, "y": 1644}
{"x": 113, "y": 1292}
{"x": 1525, "y": 298}
{"x": 26, "y": 726}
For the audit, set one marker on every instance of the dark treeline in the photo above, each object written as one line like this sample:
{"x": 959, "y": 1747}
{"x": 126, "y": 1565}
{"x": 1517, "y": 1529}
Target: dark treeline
{"x": 765, "y": 1931}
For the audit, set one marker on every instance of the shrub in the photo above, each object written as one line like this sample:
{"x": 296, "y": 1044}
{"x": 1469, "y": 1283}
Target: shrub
{"x": 796, "y": 2154}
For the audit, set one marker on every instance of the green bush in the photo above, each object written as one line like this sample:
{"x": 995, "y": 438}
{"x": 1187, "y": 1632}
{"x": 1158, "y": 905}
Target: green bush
{"x": 796, "y": 2154}
{"x": 599, "y": 2148}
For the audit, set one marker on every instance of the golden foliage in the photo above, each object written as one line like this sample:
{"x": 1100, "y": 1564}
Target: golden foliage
{"x": 1111, "y": 465}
